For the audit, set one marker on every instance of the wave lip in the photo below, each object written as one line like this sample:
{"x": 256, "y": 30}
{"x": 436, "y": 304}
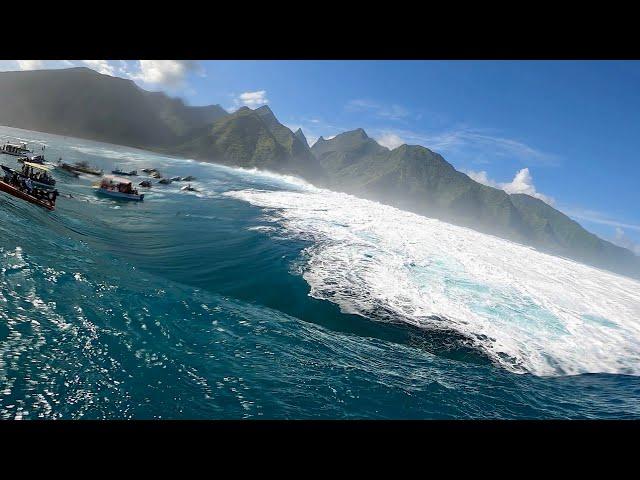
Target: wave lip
{"x": 527, "y": 310}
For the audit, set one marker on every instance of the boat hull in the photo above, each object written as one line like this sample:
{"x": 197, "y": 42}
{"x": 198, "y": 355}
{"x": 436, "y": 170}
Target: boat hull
{"x": 67, "y": 171}
{"x": 120, "y": 195}
{"x": 15, "y": 154}
{"x": 39, "y": 161}
{"x": 11, "y": 190}
{"x": 88, "y": 172}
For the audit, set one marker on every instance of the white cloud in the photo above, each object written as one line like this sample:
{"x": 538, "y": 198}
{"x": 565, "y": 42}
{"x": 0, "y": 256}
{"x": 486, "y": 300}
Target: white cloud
{"x": 390, "y": 140}
{"x": 391, "y": 112}
{"x": 622, "y": 240}
{"x": 475, "y": 146}
{"x": 29, "y": 64}
{"x": 253, "y": 99}
{"x": 13, "y": 65}
{"x": 166, "y": 73}
{"x": 100, "y": 66}
{"x": 481, "y": 177}
{"x": 522, "y": 183}
{"x": 599, "y": 218}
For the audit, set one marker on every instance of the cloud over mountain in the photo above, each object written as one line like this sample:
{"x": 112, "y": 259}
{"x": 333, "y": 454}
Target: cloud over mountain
{"x": 522, "y": 183}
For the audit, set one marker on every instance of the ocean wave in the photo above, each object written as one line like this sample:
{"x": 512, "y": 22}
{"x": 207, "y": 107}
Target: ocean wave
{"x": 527, "y": 310}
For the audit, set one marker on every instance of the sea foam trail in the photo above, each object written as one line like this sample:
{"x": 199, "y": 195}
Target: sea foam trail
{"x": 527, "y": 310}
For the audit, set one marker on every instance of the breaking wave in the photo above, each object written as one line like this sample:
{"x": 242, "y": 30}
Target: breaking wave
{"x": 527, "y": 310}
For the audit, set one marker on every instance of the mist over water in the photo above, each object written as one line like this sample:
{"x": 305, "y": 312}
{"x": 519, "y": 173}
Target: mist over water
{"x": 263, "y": 297}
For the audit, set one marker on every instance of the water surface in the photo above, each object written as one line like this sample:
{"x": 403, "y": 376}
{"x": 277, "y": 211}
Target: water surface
{"x": 263, "y": 297}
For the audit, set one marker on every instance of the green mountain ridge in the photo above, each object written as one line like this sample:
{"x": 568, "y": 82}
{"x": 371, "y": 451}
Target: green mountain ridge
{"x": 87, "y": 104}
{"x": 83, "y": 103}
{"x": 414, "y": 178}
{"x": 252, "y": 139}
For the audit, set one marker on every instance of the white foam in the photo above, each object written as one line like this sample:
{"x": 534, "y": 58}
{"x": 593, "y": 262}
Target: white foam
{"x": 527, "y": 310}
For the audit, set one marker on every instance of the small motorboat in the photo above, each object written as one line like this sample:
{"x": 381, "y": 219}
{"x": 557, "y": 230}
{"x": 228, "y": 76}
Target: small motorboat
{"x": 132, "y": 173}
{"x": 145, "y": 184}
{"x": 190, "y": 178}
{"x": 175, "y": 179}
{"x": 189, "y": 188}
{"x": 36, "y": 196}
{"x": 39, "y": 159}
{"x": 149, "y": 170}
{"x": 120, "y": 188}
{"x": 83, "y": 167}
{"x": 165, "y": 181}
{"x": 38, "y": 174}
{"x": 16, "y": 149}
{"x": 155, "y": 175}
{"x": 66, "y": 168}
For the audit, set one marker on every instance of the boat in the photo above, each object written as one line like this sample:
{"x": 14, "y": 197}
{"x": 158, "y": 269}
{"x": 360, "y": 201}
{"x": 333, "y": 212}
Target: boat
{"x": 39, "y": 174}
{"x": 16, "y": 149}
{"x": 188, "y": 188}
{"x": 175, "y": 179}
{"x": 39, "y": 159}
{"x": 155, "y": 175}
{"x": 83, "y": 167}
{"x": 165, "y": 181}
{"x": 120, "y": 188}
{"x": 145, "y": 183}
{"x": 66, "y": 168}
{"x": 132, "y": 173}
{"x": 43, "y": 200}
{"x": 190, "y": 178}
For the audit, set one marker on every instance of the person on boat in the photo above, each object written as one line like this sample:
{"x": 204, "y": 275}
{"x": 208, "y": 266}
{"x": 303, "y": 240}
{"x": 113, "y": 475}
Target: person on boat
{"x": 28, "y": 185}
{"x": 51, "y": 196}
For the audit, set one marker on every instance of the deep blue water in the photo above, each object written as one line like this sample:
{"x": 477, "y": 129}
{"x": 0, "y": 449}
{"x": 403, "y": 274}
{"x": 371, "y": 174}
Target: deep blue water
{"x": 179, "y": 307}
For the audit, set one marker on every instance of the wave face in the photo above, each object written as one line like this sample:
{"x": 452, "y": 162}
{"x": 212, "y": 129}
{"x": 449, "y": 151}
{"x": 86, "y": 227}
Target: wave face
{"x": 260, "y": 296}
{"x": 528, "y": 311}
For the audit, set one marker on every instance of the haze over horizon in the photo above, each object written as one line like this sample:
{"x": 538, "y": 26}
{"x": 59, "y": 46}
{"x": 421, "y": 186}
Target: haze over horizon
{"x": 560, "y": 131}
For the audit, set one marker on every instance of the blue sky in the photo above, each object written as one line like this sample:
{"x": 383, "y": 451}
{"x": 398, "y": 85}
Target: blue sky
{"x": 573, "y": 125}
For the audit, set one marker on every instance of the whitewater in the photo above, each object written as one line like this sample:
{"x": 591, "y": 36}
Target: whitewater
{"x": 261, "y": 296}
{"x": 527, "y": 310}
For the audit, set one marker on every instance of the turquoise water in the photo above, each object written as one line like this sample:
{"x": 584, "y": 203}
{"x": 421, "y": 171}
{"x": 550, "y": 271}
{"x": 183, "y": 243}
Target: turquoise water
{"x": 195, "y": 306}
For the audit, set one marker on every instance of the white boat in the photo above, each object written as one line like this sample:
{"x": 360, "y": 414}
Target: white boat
{"x": 118, "y": 188}
{"x": 39, "y": 159}
{"x": 16, "y": 149}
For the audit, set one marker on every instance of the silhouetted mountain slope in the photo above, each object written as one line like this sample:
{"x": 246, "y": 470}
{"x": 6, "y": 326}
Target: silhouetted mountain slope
{"x": 86, "y": 104}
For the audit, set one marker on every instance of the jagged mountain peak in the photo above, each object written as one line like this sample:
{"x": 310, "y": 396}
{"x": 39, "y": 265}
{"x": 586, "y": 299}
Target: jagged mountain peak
{"x": 300, "y": 135}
